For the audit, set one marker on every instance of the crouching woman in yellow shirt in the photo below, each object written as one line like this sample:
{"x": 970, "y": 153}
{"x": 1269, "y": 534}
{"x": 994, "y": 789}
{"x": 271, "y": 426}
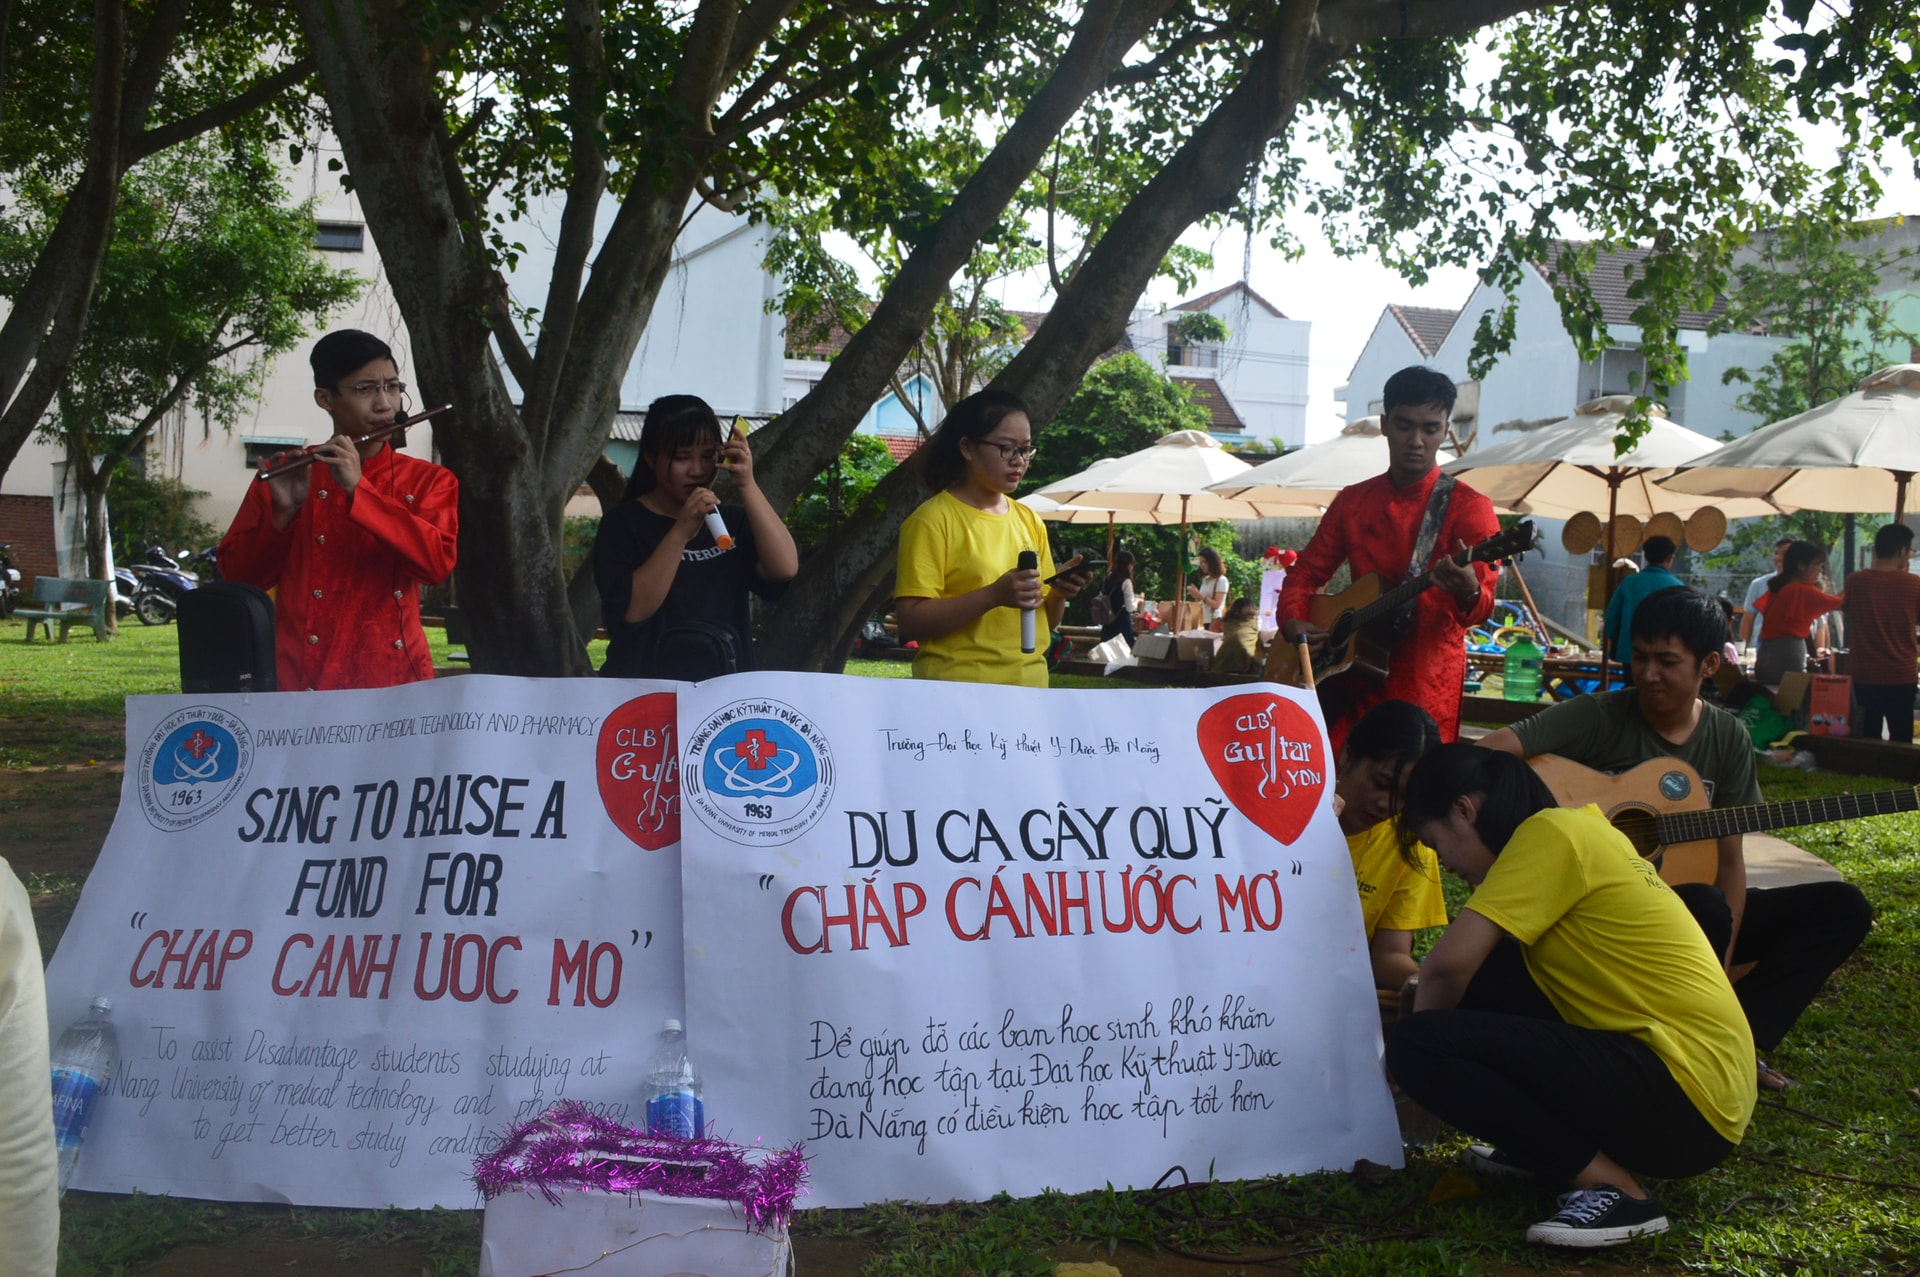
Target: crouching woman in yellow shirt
{"x": 1399, "y": 888}
{"x": 1648, "y": 1067}
{"x": 959, "y": 590}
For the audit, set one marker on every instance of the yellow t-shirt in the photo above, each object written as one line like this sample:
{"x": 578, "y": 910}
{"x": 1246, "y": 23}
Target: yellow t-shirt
{"x": 1394, "y": 894}
{"x": 1613, "y": 948}
{"x": 948, "y": 548}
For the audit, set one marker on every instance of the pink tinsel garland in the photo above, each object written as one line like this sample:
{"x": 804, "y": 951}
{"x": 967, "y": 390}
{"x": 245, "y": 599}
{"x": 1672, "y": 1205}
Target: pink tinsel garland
{"x": 568, "y": 1146}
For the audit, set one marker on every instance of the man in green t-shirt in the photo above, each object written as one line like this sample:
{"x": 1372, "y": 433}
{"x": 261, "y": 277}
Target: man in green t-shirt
{"x": 1791, "y": 937}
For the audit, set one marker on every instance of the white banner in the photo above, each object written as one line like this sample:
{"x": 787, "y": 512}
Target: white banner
{"x": 969, "y": 940}
{"x": 961, "y": 940}
{"x": 352, "y": 936}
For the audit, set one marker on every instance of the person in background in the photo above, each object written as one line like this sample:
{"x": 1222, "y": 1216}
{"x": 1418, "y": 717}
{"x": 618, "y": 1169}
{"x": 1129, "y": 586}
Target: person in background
{"x": 1122, "y": 602}
{"x": 958, "y": 588}
{"x": 1374, "y": 526}
{"x": 29, "y": 1163}
{"x": 1789, "y": 611}
{"x": 1883, "y": 609}
{"x": 1658, "y": 574}
{"x": 1641, "y": 1061}
{"x": 1211, "y": 593}
{"x": 1399, "y": 885}
{"x": 349, "y": 540}
{"x": 1784, "y": 941}
{"x": 674, "y": 601}
{"x": 1657, "y": 554}
{"x": 1239, "y": 638}
{"x": 1749, "y": 628}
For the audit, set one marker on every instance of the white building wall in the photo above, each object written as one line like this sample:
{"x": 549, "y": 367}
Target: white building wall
{"x": 1387, "y": 351}
{"x": 1261, "y": 368}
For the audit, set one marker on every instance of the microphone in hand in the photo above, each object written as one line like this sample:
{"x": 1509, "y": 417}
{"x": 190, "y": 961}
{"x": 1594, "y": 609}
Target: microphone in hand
{"x": 718, "y": 527}
{"x": 1029, "y": 562}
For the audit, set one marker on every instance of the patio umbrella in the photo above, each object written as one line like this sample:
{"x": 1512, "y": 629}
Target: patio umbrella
{"x": 1855, "y": 454}
{"x": 1170, "y": 477}
{"x": 1053, "y": 512}
{"x": 1315, "y": 474}
{"x": 1572, "y": 467}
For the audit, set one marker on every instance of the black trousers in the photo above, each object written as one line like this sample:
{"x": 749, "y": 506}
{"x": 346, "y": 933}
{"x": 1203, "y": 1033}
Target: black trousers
{"x": 1548, "y": 1093}
{"x": 1795, "y": 936}
{"x": 1551, "y": 1095}
{"x": 1888, "y": 704}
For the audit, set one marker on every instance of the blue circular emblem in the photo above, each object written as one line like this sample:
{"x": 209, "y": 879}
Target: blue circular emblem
{"x": 192, "y": 766}
{"x": 757, "y": 772}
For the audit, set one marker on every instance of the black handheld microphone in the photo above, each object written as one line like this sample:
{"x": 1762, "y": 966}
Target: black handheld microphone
{"x": 1029, "y": 562}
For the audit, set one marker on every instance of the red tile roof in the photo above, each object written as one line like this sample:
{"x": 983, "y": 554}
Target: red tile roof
{"x": 900, "y": 447}
{"x": 1207, "y": 394}
{"x": 1208, "y": 299}
{"x": 1609, "y": 280}
{"x": 1427, "y": 326}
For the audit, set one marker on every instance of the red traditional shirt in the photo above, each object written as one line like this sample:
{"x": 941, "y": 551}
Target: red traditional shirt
{"x": 1371, "y": 527}
{"x": 349, "y": 569}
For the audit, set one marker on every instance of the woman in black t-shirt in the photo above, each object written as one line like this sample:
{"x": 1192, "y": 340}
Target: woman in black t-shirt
{"x": 673, "y": 599}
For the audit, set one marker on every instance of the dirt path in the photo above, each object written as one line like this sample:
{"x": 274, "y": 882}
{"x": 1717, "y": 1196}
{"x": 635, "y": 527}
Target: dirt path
{"x": 55, "y": 819}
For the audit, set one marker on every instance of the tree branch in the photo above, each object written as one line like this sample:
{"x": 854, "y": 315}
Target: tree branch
{"x": 763, "y": 84}
{"x": 148, "y": 141}
{"x": 1187, "y": 43}
{"x": 149, "y": 63}
{"x": 703, "y": 62}
{"x": 1351, "y": 22}
{"x": 817, "y": 89}
{"x": 586, "y": 80}
{"x": 753, "y": 28}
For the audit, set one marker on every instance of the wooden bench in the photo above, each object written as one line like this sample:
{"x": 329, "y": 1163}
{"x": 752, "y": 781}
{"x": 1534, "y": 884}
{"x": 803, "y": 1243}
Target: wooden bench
{"x": 68, "y": 602}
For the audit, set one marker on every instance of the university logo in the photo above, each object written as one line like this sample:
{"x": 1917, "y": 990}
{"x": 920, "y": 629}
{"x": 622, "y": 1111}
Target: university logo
{"x": 758, "y": 773}
{"x": 193, "y": 764}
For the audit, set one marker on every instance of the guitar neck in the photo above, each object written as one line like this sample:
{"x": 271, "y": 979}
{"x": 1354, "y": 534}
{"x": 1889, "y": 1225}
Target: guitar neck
{"x": 1724, "y": 822}
{"x": 1393, "y": 599}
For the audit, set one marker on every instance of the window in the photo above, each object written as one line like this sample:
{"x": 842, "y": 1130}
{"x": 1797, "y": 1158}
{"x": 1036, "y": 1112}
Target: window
{"x": 261, "y": 448}
{"x": 1620, "y": 370}
{"x": 1180, "y": 355}
{"x": 340, "y": 237}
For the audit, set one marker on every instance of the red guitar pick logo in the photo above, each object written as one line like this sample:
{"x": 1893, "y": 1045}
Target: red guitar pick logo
{"x": 1269, "y": 758}
{"x": 639, "y": 770}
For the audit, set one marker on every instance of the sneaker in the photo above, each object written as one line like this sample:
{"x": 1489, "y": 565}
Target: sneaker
{"x": 1599, "y": 1216}
{"x": 1488, "y": 1160}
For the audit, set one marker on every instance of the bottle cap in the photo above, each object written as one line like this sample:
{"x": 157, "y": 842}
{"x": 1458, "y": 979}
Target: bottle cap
{"x": 103, "y": 1004}
{"x": 671, "y": 1026}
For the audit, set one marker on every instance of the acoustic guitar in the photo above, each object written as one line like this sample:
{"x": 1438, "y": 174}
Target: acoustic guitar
{"x": 1662, "y": 807}
{"x": 1361, "y": 619}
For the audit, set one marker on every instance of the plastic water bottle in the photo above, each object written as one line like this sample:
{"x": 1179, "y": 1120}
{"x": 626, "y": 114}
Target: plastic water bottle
{"x": 82, "y": 1063}
{"x": 674, "y": 1110}
{"x": 1521, "y": 671}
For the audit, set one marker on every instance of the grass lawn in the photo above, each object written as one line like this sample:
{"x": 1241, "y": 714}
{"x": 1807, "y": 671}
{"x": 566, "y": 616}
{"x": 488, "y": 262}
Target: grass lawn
{"x": 1826, "y": 1183}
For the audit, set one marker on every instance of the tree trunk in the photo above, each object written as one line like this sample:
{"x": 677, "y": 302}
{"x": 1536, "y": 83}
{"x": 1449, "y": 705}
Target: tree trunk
{"x": 806, "y": 438}
{"x": 1205, "y": 175}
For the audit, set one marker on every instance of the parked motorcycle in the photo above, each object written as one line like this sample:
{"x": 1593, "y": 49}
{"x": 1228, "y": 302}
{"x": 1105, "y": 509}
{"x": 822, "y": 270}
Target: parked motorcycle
{"x": 9, "y": 581}
{"x": 160, "y": 582}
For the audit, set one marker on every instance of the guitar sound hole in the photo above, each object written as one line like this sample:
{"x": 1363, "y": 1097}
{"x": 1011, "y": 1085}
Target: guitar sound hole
{"x": 1342, "y": 630}
{"x": 1638, "y": 826}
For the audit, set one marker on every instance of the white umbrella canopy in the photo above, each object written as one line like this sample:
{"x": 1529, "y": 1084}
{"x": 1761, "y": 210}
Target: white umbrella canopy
{"x": 1053, "y": 512}
{"x": 1570, "y": 467}
{"x": 1315, "y": 474}
{"x": 1854, "y": 455}
{"x": 1169, "y": 477}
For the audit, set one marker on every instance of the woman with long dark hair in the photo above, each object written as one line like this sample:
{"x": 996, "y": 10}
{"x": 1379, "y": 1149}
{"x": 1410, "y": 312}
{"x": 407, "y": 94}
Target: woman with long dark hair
{"x": 1399, "y": 883}
{"x": 673, "y": 599}
{"x": 959, "y": 588}
{"x": 1211, "y": 593}
{"x": 1642, "y": 1063}
{"x": 1789, "y": 610}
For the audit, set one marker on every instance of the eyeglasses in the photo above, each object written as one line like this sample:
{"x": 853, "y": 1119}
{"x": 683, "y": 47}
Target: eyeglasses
{"x": 1011, "y": 451}
{"x": 368, "y": 389}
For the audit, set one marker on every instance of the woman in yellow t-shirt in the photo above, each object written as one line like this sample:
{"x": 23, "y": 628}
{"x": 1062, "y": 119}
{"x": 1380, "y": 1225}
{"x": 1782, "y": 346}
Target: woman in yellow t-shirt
{"x": 1643, "y": 1061}
{"x": 959, "y": 590}
{"x": 1399, "y": 889}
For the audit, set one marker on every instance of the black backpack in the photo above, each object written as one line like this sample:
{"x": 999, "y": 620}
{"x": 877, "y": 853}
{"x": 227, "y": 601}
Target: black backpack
{"x": 693, "y": 651}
